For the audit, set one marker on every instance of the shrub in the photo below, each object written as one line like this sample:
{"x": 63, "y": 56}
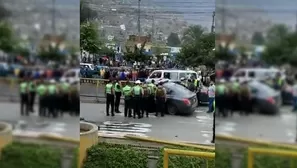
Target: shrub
{"x": 19, "y": 155}
{"x": 115, "y": 156}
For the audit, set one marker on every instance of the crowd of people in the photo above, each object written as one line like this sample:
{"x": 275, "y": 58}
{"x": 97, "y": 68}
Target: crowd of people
{"x": 54, "y": 98}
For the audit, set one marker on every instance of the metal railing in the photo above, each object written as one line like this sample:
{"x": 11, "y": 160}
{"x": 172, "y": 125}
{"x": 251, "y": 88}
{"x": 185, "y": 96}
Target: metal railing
{"x": 167, "y": 152}
{"x": 252, "y": 151}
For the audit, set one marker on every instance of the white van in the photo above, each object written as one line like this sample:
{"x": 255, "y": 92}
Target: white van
{"x": 172, "y": 75}
{"x": 71, "y": 76}
{"x": 244, "y": 74}
{"x": 90, "y": 66}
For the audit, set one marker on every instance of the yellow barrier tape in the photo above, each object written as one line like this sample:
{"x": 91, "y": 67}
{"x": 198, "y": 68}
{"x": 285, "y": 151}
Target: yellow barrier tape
{"x": 169, "y": 142}
{"x": 255, "y": 142}
{"x": 167, "y": 152}
{"x": 277, "y": 152}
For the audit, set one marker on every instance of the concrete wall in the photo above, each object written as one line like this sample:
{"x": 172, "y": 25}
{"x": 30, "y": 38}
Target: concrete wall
{"x": 5, "y": 135}
{"x": 88, "y": 137}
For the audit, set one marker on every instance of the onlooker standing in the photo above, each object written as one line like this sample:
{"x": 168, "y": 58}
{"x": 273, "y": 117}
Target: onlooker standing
{"x": 211, "y": 96}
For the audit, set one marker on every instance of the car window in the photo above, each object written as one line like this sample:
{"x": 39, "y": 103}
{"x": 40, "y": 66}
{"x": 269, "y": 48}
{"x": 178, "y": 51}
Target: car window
{"x": 92, "y": 66}
{"x": 177, "y": 89}
{"x": 156, "y": 75}
{"x": 193, "y": 75}
{"x": 240, "y": 74}
{"x": 182, "y": 75}
{"x": 171, "y": 75}
{"x": 251, "y": 74}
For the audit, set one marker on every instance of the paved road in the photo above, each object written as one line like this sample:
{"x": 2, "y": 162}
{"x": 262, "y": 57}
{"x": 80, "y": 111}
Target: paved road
{"x": 65, "y": 126}
{"x": 280, "y": 128}
{"x": 196, "y": 128}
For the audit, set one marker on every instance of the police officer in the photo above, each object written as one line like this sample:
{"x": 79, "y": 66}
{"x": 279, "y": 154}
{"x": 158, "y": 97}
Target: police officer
{"x": 118, "y": 94}
{"x": 65, "y": 90}
{"x": 137, "y": 93}
{"x": 245, "y": 98}
{"x": 221, "y": 91}
{"x": 197, "y": 89}
{"x": 32, "y": 93}
{"x": 184, "y": 82}
{"x": 41, "y": 92}
{"x": 191, "y": 85}
{"x": 24, "y": 94}
{"x": 235, "y": 96}
{"x": 160, "y": 99}
{"x": 128, "y": 99}
{"x": 52, "y": 93}
{"x": 278, "y": 82}
{"x": 151, "y": 102}
{"x": 145, "y": 99}
{"x": 109, "y": 93}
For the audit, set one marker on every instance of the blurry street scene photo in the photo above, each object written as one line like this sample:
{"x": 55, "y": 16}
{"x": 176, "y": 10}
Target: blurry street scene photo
{"x": 39, "y": 83}
{"x": 256, "y": 79}
{"x": 143, "y": 82}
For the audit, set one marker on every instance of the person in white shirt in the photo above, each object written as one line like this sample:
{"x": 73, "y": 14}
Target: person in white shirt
{"x": 211, "y": 96}
{"x": 295, "y": 95}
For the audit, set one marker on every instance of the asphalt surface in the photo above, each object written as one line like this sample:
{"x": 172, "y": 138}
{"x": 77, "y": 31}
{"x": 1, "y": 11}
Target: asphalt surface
{"x": 280, "y": 128}
{"x": 196, "y": 128}
{"x": 67, "y": 126}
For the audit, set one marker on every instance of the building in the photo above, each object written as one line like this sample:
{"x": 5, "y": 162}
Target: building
{"x": 139, "y": 41}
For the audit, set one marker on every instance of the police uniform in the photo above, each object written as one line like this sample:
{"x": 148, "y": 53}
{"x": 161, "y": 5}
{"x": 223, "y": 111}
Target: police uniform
{"x": 197, "y": 88}
{"x": 118, "y": 94}
{"x": 245, "y": 99}
{"x": 65, "y": 96}
{"x": 128, "y": 100}
{"x": 160, "y": 100}
{"x": 52, "y": 92}
{"x": 24, "y": 94}
{"x": 32, "y": 94}
{"x": 109, "y": 91}
{"x": 41, "y": 92}
{"x": 151, "y": 102}
{"x": 145, "y": 99}
{"x": 220, "y": 99}
{"x": 137, "y": 93}
{"x": 235, "y": 96}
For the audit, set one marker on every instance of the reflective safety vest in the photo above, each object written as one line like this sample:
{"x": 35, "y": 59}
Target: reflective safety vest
{"x": 41, "y": 90}
{"x": 52, "y": 89}
{"x": 65, "y": 87}
{"x": 127, "y": 91}
{"x": 23, "y": 87}
{"x": 108, "y": 88}
{"x": 236, "y": 87}
{"x": 221, "y": 89}
{"x": 137, "y": 90}
{"x": 152, "y": 87}
{"x": 117, "y": 87}
{"x": 196, "y": 83}
{"x": 32, "y": 87}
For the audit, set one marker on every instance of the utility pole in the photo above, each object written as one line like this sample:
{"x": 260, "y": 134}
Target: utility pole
{"x": 53, "y": 17}
{"x": 213, "y": 22}
{"x": 296, "y": 31}
{"x": 138, "y": 23}
{"x": 153, "y": 27}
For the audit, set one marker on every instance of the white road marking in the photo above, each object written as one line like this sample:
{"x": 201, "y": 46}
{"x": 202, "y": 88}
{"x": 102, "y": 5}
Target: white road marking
{"x": 206, "y": 135}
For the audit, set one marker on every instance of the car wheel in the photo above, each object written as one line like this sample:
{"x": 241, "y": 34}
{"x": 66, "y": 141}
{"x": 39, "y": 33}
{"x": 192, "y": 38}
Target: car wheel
{"x": 172, "y": 109}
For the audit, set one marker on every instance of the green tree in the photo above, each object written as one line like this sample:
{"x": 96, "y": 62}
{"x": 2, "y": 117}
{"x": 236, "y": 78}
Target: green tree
{"x": 258, "y": 38}
{"x": 223, "y": 53}
{"x": 197, "y": 50}
{"x": 173, "y": 40}
{"x": 86, "y": 13}
{"x": 281, "y": 48}
{"x": 89, "y": 37}
{"x": 6, "y": 37}
{"x": 192, "y": 34}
